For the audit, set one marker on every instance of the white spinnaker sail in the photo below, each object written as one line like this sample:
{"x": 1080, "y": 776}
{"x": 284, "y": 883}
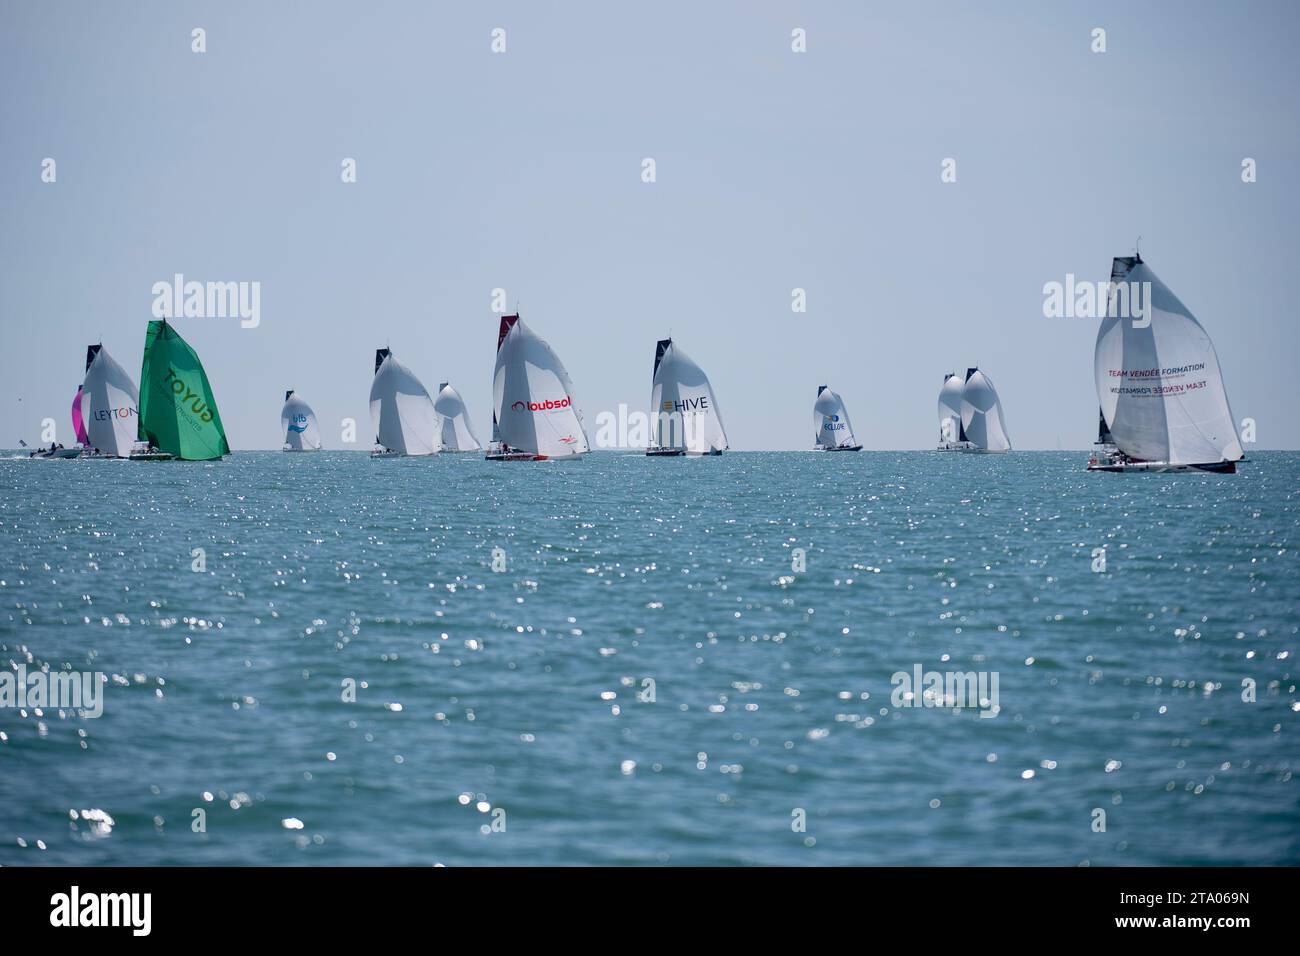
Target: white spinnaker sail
{"x": 110, "y": 406}
{"x": 981, "y": 413}
{"x": 1160, "y": 387}
{"x": 831, "y": 420}
{"x": 402, "y": 411}
{"x": 950, "y": 408}
{"x": 533, "y": 397}
{"x": 298, "y": 422}
{"x": 683, "y": 405}
{"x": 457, "y": 435}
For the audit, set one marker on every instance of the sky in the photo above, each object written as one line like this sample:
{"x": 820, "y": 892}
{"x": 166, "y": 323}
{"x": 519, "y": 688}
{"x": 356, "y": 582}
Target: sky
{"x": 523, "y": 170}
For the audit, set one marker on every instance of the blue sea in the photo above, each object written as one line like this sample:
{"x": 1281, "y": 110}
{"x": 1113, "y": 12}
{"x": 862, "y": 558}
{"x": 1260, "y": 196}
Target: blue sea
{"x": 323, "y": 659}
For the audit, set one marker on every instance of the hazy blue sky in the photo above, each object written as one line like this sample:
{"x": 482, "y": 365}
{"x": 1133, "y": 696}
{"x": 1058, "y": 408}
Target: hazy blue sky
{"x": 522, "y": 170}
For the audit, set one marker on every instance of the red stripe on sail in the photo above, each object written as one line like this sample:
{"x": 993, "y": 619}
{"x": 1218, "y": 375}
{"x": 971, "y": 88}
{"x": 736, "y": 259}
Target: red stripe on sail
{"x": 507, "y": 323}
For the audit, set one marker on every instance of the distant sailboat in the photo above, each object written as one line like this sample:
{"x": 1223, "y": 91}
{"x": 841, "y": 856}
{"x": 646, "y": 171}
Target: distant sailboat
{"x": 834, "y": 431}
{"x": 982, "y": 426}
{"x": 684, "y": 409}
{"x": 457, "y": 434}
{"x": 78, "y": 426}
{"x": 178, "y": 414}
{"x": 1163, "y": 404}
{"x": 534, "y": 413}
{"x": 402, "y": 411}
{"x": 950, "y": 432}
{"x": 110, "y": 406}
{"x": 298, "y": 422}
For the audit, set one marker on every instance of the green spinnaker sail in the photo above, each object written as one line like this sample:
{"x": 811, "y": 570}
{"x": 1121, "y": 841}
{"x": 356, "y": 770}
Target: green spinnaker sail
{"x": 177, "y": 411}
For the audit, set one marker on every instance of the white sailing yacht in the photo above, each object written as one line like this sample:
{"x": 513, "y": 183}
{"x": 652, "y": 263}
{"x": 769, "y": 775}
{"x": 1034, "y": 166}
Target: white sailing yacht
{"x": 535, "y": 416}
{"x": 298, "y": 422}
{"x": 457, "y": 434}
{"x": 402, "y": 411}
{"x": 982, "y": 426}
{"x": 834, "y": 431}
{"x": 1163, "y": 404}
{"x": 950, "y": 436}
{"x": 683, "y": 407}
{"x": 110, "y": 409}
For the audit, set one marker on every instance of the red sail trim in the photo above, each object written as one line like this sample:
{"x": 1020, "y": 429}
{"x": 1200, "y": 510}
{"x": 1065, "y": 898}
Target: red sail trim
{"x": 507, "y": 323}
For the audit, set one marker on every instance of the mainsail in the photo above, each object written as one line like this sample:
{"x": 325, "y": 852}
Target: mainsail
{"x": 457, "y": 435}
{"x": 950, "y": 408}
{"x": 683, "y": 405}
{"x": 78, "y": 426}
{"x": 981, "y": 414}
{"x": 831, "y": 420}
{"x": 110, "y": 405}
{"x": 401, "y": 409}
{"x": 298, "y": 422}
{"x": 532, "y": 396}
{"x": 1158, "y": 378}
{"x": 177, "y": 411}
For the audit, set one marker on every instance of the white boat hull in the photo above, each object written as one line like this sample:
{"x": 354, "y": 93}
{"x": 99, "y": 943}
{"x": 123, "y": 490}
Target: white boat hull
{"x": 1162, "y": 467}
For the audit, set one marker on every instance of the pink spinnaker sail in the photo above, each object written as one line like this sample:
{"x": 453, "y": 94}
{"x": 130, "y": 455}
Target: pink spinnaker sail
{"x": 77, "y": 425}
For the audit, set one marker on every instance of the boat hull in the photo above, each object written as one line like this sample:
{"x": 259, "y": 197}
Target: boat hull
{"x": 513, "y": 456}
{"x": 516, "y": 455}
{"x": 59, "y": 453}
{"x": 681, "y": 453}
{"x": 1163, "y": 467}
{"x": 843, "y": 448}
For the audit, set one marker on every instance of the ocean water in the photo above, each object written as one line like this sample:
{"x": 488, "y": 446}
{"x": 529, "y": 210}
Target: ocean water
{"x": 498, "y": 714}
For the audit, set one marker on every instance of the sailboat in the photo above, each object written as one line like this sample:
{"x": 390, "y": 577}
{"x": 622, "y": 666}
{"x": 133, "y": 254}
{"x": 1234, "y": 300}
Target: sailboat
{"x": 406, "y": 424}
{"x": 57, "y": 450}
{"x": 457, "y": 435}
{"x": 683, "y": 407}
{"x": 831, "y": 422}
{"x": 1163, "y": 404}
{"x": 982, "y": 426}
{"x": 110, "y": 406}
{"x": 534, "y": 413}
{"x": 298, "y": 422}
{"x": 950, "y": 435}
{"x": 178, "y": 414}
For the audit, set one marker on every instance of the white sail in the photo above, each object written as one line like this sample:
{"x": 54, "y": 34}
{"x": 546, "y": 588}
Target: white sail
{"x": 457, "y": 435}
{"x": 110, "y": 405}
{"x": 298, "y": 422}
{"x": 684, "y": 409}
{"x": 950, "y": 408}
{"x": 831, "y": 420}
{"x": 400, "y": 407}
{"x": 536, "y": 411}
{"x": 1158, "y": 379}
{"x": 981, "y": 413}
